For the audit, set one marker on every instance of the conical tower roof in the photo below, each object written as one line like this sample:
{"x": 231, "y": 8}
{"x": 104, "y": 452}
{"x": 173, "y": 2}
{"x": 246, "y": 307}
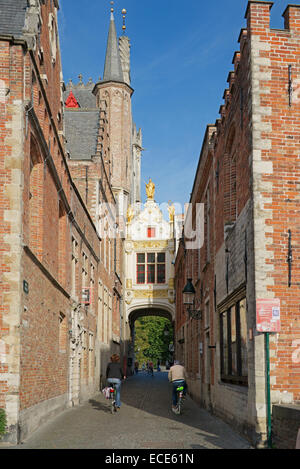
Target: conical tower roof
{"x": 113, "y": 67}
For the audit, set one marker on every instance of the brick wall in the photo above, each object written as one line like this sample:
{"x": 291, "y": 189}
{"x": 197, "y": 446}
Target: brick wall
{"x": 50, "y": 343}
{"x": 13, "y": 67}
{"x": 247, "y": 180}
{"x": 276, "y": 168}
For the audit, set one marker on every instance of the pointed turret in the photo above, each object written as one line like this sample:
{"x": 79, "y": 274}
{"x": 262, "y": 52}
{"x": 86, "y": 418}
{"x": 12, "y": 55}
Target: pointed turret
{"x": 113, "y": 67}
{"x": 115, "y": 91}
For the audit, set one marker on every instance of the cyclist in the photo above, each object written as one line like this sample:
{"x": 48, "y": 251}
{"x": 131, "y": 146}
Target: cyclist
{"x": 151, "y": 368}
{"x": 114, "y": 375}
{"x": 177, "y": 376}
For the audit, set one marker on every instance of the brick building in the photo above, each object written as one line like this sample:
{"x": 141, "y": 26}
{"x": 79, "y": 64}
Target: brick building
{"x": 248, "y": 180}
{"x": 62, "y": 200}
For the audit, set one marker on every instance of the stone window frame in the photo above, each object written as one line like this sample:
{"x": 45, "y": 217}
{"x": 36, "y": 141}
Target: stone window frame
{"x": 84, "y": 269}
{"x": 75, "y": 260}
{"x": 91, "y": 347}
{"x": 100, "y": 311}
{"x": 233, "y": 301}
{"x": 230, "y": 174}
{"x": 92, "y": 279}
{"x": 62, "y": 340}
{"x": 53, "y": 39}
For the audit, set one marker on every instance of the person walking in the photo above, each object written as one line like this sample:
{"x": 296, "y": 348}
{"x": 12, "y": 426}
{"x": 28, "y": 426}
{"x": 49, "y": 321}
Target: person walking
{"x": 114, "y": 375}
{"x": 177, "y": 376}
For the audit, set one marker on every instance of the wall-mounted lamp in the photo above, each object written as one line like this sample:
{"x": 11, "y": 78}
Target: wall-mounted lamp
{"x": 189, "y": 301}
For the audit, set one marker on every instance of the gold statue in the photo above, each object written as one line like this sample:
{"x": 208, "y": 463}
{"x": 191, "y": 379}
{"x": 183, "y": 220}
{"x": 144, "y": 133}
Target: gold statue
{"x": 130, "y": 214}
{"x": 150, "y": 189}
{"x": 171, "y": 210}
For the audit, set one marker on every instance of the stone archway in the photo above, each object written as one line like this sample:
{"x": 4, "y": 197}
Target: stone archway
{"x": 154, "y": 311}
{"x": 142, "y": 311}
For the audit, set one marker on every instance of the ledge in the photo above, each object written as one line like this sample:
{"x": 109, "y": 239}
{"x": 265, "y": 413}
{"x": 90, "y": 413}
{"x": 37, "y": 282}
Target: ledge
{"x": 287, "y": 412}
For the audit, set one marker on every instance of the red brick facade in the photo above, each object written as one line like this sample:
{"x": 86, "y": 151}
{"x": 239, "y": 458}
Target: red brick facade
{"x": 247, "y": 179}
{"x": 54, "y": 345}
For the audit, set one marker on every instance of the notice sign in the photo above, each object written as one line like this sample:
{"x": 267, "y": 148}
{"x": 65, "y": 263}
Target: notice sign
{"x": 268, "y": 315}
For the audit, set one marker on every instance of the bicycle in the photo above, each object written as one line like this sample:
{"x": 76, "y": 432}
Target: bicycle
{"x": 180, "y": 399}
{"x": 112, "y": 398}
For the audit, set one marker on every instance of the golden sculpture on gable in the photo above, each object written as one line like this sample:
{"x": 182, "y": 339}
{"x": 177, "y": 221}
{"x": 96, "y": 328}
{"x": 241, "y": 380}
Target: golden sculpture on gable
{"x": 150, "y": 189}
{"x": 171, "y": 210}
{"x": 130, "y": 214}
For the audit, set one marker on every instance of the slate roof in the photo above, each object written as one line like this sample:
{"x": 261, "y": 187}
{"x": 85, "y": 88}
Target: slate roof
{"x": 81, "y": 129}
{"x": 12, "y": 17}
{"x": 83, "y": 94}
{"x": 85, "y": 98}
{"x": 82, "y": 124}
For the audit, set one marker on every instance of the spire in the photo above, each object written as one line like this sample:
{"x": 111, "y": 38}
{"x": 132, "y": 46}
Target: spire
{"x": 113, "y": 68}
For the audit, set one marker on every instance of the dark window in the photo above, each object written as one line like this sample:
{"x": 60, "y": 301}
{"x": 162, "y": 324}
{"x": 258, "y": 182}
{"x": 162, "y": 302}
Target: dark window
{"x": 151, "y": 268}
{"x": 233, "y": 342}
{"x": 140, "y": 268}
{"x": 161, "y": 267}
{"x": 141, "y": 258}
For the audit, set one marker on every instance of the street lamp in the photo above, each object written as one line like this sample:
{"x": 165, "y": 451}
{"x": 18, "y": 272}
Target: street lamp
{"x": 189, "y": 300}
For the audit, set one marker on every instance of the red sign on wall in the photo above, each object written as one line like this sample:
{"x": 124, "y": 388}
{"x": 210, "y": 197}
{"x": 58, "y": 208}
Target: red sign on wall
{"x": 268, "y": 315}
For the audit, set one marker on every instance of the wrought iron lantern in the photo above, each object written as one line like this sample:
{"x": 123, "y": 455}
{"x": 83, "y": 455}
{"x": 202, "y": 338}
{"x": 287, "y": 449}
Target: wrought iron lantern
{"x": 189, "y": 301}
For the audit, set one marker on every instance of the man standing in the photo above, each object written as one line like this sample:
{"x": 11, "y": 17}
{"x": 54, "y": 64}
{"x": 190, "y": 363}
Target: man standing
{"x": 177, "y": 376}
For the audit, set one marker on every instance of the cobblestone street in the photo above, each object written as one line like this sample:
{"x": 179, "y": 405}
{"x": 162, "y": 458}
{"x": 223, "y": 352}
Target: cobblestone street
{"x": 145, "y": 421}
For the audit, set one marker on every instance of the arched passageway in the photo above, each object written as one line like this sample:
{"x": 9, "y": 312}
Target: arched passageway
{"x": 155, "y": 311}
{"x": 147, "y": 312}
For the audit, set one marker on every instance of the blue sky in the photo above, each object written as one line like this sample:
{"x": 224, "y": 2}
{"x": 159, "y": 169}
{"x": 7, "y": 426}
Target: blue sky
{"x": 181, "y": 55}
